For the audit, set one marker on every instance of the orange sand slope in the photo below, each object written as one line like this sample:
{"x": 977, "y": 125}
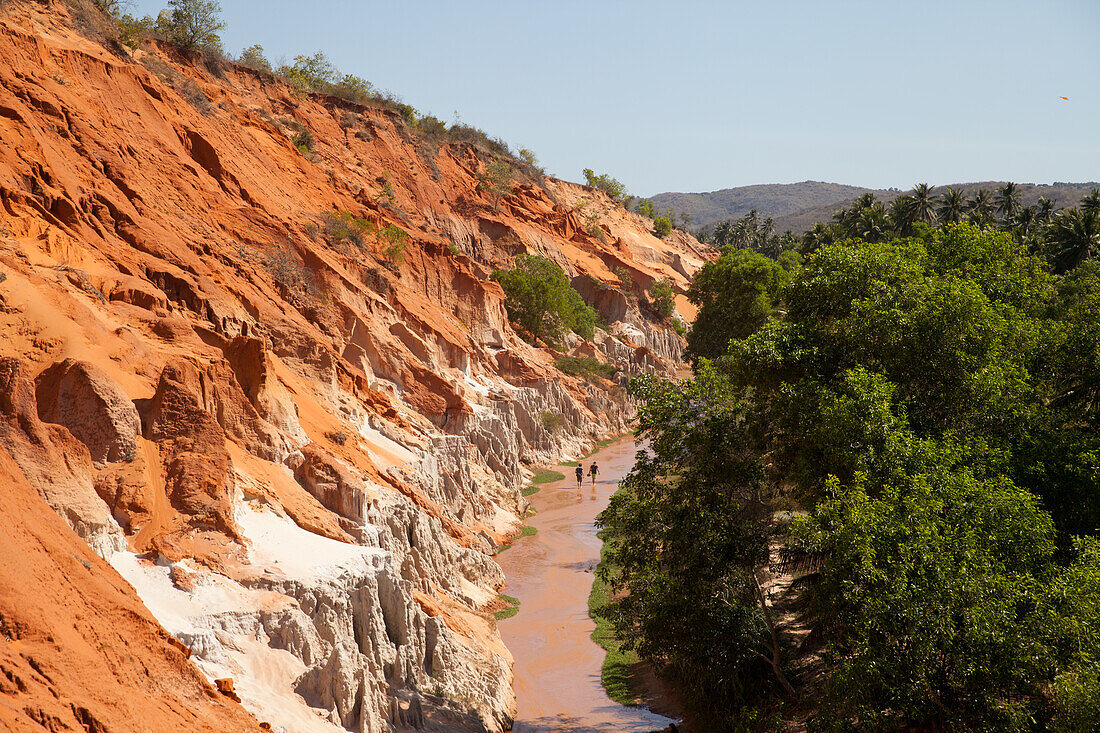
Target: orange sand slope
{"x": 78, "y": 650}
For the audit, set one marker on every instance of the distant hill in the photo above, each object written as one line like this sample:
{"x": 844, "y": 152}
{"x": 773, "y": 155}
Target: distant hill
{"x": 770, "y": 199}
{"x": 798, "y": 206}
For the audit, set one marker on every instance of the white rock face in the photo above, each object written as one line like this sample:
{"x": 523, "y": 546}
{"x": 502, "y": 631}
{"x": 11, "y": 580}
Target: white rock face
{"x": 320, "y": 635}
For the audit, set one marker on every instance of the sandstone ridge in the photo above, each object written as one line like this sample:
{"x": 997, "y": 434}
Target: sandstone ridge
{"x": 300, "y": 452}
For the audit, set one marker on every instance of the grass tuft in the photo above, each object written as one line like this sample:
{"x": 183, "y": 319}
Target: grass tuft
{"x": 547, "y": 476}
{"x": 530, "y": 490}
{"x": 510, "y": 611}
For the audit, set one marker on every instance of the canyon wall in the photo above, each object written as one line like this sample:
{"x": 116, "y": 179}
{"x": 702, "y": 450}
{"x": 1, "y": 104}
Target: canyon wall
{"x": 300, "y": 451}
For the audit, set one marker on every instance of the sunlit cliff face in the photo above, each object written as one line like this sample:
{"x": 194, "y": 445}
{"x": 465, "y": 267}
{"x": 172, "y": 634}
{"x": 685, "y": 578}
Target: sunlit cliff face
{"x": 299, "y": 450}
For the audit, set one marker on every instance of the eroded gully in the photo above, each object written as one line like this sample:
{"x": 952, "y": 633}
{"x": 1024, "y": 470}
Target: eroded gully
{"x": 557, "y": 665}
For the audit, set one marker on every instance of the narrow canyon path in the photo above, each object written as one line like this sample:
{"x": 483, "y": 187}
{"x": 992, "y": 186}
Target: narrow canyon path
{"x": 557, "y": 669}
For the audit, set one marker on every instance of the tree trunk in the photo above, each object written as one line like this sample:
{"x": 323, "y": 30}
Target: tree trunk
{"x": 775, "y": 660}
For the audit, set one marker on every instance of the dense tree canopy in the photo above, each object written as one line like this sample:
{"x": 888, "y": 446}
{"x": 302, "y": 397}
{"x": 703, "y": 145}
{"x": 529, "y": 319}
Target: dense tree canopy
{"x": 915, "y": 427}
{"x": 735, "y": 295}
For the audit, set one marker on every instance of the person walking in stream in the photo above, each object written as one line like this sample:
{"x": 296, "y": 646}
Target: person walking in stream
{"x": 580, "y": 476}
{"x": 594, "y": 471}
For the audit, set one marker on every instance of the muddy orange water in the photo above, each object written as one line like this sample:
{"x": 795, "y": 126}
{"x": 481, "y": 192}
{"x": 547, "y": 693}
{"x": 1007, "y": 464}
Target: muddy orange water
{"x": 557, "y": 667}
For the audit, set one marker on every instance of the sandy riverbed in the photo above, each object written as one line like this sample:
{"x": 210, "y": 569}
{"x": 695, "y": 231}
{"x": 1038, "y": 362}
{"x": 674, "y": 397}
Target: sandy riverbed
{"x": 557, "y": 668}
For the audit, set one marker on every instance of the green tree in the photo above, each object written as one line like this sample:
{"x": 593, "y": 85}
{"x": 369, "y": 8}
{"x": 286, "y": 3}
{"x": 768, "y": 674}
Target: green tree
{"x": 646, "y": 208}
{"x": 1007, "y": 201}
{"x": 662, "y": 226}
{"x": 918, "y": 425}
{"x": 1091, "y": 202}
{"x": 1044, "y": 209}
{"x": 394, "y": 240}
{"x": 941, "y": 637}
{"x": 541, "y": 301}
{"x": 612, "y": 187}
{"x": 194, "y": 24}
{"x": 735, "y": 295}
{"x": 353, "y": 88}
{"x": 663, "y": 297}
{"x": 902, "y": 214}
{"x": 253, "y": 57}
{"x": 871, "y": 223}
{"x": 531, "y": 161}
{"x": 981, "y": 208}
{"x": 1026, "y": 225}
{"x": 310, "y": 73}
{"x": 691, "y": 526}
{"x": 819, "y": 236}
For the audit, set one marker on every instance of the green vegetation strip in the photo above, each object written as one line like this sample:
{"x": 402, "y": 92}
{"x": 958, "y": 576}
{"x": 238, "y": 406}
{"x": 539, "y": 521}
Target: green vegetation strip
{"x": 547, "y": 476}
{"x": 510, "y": 611}
{"x": 530, "y": 490}
{"x": 617, "y": 672}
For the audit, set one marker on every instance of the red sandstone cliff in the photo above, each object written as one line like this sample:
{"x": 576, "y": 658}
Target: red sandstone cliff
{"x": 298, "y": 453}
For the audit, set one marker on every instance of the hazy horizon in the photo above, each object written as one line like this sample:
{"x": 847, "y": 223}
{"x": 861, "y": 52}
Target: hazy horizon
{"x": 711, "y": 95}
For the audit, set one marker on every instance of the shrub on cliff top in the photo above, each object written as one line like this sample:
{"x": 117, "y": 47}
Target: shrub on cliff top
{"x": 309, "y": 73}
{"x": 193, "y": 24}
{"x": 612, "y": 187}
{"x": 253, "y": 57}
{"x": 541, "y": 301}
{"x": 496, "y": 181}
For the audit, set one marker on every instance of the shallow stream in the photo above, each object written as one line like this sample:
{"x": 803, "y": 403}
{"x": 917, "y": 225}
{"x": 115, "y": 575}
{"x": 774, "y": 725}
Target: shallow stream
{"x": 557, "y": 669}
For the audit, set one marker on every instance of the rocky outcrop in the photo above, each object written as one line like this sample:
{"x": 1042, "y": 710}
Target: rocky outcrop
{"x": 55, "y": 463}
{"x": 85, "y": 399}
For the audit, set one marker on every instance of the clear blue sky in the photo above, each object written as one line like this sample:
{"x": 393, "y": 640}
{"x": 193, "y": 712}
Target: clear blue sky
{"x": 700, "y": 95}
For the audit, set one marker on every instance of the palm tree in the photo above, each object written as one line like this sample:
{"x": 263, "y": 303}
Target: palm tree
{"x": 903, "y": 212}
{"x": 1073, "y": 237}
{"x": 1091, "y": 202}
{"x": 1044, "y": 209}
{"x": 723, "y": 233}
{"x": 865, "y": 201}
{"x": 981, "y": 208}
{"x": 922, "y": 203}
{"x": 872, "y": 223}
{"x": 848, "y": 218}
{"x": 952, "y": 206}
{"x": 1008, "y": 201}
{"x": 1026, "y": 225}
{"x": 820, "y": 236}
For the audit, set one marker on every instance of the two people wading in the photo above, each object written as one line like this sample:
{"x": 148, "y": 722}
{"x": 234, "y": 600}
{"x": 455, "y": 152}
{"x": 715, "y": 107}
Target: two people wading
{"x": 593, "y": 471}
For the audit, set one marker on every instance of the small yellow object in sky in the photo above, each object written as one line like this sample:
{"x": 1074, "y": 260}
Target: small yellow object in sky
{"x": 1064, "y": 98}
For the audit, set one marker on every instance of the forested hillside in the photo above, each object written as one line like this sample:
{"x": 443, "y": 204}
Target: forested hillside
{"x": 875, "y": 504}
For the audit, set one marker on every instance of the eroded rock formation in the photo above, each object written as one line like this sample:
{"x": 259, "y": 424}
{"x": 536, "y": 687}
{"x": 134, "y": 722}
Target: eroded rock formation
{"x": 300, "y": 453}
